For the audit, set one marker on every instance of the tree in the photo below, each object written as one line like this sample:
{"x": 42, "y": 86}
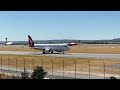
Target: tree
{"x": 38, "y": 73}
{"x": 25, "y": 75}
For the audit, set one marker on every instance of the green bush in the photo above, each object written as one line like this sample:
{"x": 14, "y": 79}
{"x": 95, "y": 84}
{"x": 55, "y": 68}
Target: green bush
{"x": 38, "y": 73}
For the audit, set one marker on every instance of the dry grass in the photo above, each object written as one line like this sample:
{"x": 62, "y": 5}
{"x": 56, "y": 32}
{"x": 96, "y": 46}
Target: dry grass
{"x": 105, "y": 49}
{"x": 17, "y": 48}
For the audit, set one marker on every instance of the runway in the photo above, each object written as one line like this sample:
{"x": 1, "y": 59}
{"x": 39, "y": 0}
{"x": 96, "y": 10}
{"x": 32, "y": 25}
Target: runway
{"x": 66, "y": 55}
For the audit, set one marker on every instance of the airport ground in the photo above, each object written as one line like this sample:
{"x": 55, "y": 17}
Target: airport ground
{"x": 82, "y": 48}
{"x": 82, "y": 64}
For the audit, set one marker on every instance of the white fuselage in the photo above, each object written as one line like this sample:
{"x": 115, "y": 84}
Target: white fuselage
{"x": 53, "y": 47}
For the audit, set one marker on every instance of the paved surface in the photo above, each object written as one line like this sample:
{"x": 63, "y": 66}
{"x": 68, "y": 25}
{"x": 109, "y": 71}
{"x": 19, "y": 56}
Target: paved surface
{"x": 71, "y": 55}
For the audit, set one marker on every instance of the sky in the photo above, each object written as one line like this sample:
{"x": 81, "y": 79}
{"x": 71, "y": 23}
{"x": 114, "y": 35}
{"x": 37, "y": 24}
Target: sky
{"x": 48, "y": 25}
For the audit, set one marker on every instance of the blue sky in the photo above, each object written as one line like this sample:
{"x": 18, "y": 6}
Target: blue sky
{"x": 47, "y": 25}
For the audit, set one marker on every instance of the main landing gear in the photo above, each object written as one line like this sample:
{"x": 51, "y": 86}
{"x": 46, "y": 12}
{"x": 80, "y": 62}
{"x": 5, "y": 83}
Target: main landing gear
{"x": 44, "y": 52}
{"x": 51, "y": 52}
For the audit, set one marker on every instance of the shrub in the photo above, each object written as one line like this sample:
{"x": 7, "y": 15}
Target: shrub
{"x": 25, "y": 75}
{"x": 38, "y": 73}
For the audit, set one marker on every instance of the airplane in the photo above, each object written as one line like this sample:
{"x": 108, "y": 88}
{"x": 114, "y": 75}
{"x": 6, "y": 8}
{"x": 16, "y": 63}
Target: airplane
{"x": 73, "y": 43}
{"x": 50, "y": 48}
{"x": 9, "y": 43}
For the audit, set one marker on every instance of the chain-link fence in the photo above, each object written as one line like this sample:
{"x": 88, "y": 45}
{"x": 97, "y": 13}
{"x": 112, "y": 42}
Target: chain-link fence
{"x": 62, "y": 69}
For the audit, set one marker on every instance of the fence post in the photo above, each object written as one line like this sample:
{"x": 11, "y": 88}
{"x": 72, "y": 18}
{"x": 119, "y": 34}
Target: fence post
{"x": 1, "y": 63}
{"x": 33, "y": 63}
{"x": 52, "y": 68}
{"x": 24, "y": 65}
{"x": 104, "y": 69}
{"x": 8, "y": 67}
{"x": 16, "y": 64}
{"x": 9, "y": 63}
{"x": 89, "y": 68}
{"x": 63, "y": 68}
{"x": 42, "y": 62}
{"x": 75, "y": 69}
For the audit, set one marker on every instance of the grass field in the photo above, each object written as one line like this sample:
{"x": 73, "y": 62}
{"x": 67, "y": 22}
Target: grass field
{"x": 105, "y": 49}
{"x": 16, "y": 48}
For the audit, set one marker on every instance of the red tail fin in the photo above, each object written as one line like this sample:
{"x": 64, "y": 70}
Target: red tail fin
{"x": 31, "y": 42}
